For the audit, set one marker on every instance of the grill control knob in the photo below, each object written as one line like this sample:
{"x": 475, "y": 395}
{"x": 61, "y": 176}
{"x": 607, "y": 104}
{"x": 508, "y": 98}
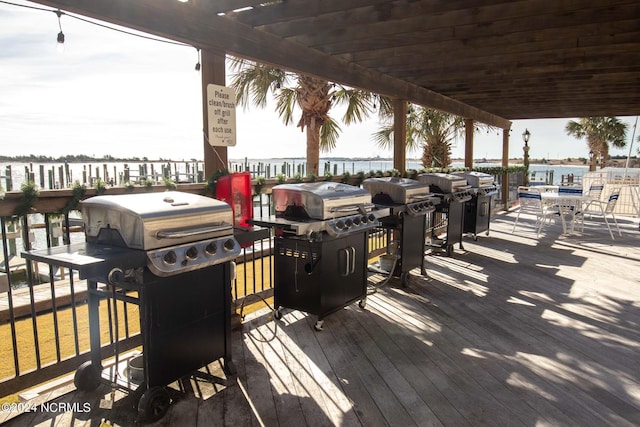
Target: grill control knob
{"x": 170, "y": 258}
{"x": 364, "y": 219}
{"x": 191, "y": 253}
{"x": 356, "y": 220}
{"x": 348, "y": 222}
{"x": 211, "y": 248}
{"x": 340, "y": 224}
{"x": 371, "y": 217}
{"x": 229, "y": 244}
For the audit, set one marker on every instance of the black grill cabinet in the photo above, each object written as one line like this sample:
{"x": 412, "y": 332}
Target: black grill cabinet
{"x": 320, "y": 277}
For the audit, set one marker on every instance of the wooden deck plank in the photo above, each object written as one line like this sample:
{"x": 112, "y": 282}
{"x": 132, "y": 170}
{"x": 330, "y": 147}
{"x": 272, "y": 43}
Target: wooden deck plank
{"x": 511, "y": 330}
{"x": 405, "y": 349}
{"x": 282, "y": 375}
{"x": 479, "y": 346}
{"x": 340, "y": 356}
{"x": 389, "y": 404}
{"x": 317, "y": 379}
{"x": 376, "y": 348}
{"x": 237, "y": 409}
{"x": 258, "y": 382}
{"x": 561, "y": 339}
{"x": 443, "y": 354}
{"x": 510, "y": 396}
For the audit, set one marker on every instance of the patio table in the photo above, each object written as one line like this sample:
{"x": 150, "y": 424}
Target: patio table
{"x": 568, "y": 205}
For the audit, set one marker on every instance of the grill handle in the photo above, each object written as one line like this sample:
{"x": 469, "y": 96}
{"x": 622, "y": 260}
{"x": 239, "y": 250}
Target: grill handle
{"x": 350, "y": 260}
{"x": 163, "y": 234}
{"x": 353, "y": 208}
{"x": 353, "y": 260}
{"x": 418, "y": 196}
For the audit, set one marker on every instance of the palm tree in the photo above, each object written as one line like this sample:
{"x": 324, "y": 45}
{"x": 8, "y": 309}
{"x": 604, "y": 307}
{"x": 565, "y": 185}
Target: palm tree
{"x": 315, "y": 97}
{"x": 432, "y": 130}
{"x": 599, "y": 132}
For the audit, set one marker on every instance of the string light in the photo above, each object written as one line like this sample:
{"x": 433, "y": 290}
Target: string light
{"x": 198, "y": 64}
{"x": 60, "y": 34}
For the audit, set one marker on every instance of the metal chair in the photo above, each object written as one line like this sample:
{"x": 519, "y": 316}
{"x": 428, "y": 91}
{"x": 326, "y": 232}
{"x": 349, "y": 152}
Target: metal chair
{"x": 603, "y": 210}
{"x": 531, "y": 203}
{"x": 594, "y": 193}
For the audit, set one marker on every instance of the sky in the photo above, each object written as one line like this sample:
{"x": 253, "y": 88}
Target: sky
{"x": 111, "y": 93}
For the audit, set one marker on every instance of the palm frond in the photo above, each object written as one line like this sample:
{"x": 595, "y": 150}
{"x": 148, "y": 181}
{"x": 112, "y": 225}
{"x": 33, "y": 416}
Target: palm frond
{"x": 358, "y": 104}
{"x": 383, "y": 137}
{"x": 285, "y": 104}
{"x": 329, "y": 132}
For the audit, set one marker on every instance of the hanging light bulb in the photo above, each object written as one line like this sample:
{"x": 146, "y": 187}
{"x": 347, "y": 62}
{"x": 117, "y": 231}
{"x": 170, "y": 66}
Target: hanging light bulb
{"x": 60, "y": 38}
{"x": 198, "y": 63}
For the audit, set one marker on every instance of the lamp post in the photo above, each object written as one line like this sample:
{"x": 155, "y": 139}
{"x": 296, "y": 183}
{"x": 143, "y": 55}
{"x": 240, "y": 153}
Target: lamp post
{"x": 592, "y": 167}
{"x": 525, "y": 137}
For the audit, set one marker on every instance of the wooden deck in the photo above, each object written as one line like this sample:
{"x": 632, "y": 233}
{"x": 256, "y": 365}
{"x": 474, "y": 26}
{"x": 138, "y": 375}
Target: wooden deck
{"x": 512, "y": 330}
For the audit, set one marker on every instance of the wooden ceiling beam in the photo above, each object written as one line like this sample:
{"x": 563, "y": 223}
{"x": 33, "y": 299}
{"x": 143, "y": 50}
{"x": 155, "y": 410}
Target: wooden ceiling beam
{"x": 178, "y": 21}
{"x": 438, "y": 42}
{"x": 463, "y": 19}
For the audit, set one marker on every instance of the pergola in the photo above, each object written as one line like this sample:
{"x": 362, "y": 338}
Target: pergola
{"x": 488, "y": 61}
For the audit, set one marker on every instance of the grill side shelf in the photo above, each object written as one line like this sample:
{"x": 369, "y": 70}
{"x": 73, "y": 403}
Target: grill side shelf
{"x": 89, "y": 260}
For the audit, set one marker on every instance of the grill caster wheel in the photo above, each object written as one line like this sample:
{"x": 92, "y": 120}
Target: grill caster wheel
{"x": 277, "y": 314}
{"x": 87, "y": 377}
{"x": 363, "y": 303}
{"x": 319, "y": 325}
{"x": 153, "y": 404}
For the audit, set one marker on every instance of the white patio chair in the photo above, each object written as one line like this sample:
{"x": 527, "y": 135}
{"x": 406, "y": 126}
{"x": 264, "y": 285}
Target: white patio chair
{"x": 594, "y": 193}
{"x": 602, "y": 209}
{"x": 531, "y": 203}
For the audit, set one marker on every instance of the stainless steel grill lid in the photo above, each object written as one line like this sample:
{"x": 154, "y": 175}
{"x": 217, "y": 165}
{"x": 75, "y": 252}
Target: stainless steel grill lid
{"x": 157, "y": 220}
{"x": 444, "y": 182}
{"x": 399, "y": 190}
{"x": 319, "y": 200}
{"x": 477, "y": 179}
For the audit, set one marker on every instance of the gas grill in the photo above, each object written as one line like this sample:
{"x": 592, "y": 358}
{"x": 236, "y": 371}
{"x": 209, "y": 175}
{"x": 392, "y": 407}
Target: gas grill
{"x": 320, "y": 243}
{"x": 408, "y": 201}
{"x": 477, "y": 213}
{"x": 454, "y": 191}
{"x": 175, "y": 250}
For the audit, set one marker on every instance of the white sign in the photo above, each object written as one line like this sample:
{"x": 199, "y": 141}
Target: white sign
{"x": 221, "y": 106}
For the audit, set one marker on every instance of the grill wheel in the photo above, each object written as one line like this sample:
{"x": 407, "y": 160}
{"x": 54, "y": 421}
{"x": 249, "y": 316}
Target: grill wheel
{"x": 153, "y": 404}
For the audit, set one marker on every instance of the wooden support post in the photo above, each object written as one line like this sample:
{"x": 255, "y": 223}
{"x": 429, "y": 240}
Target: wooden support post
{"x": 399, "y": 135}
{"x": 468, "y": 143}
{"x": 505, "y": 164}
{"x": 213, "y": 72}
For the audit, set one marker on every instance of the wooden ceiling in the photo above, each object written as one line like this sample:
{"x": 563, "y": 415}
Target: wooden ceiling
{"x": 493, "y": 61}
